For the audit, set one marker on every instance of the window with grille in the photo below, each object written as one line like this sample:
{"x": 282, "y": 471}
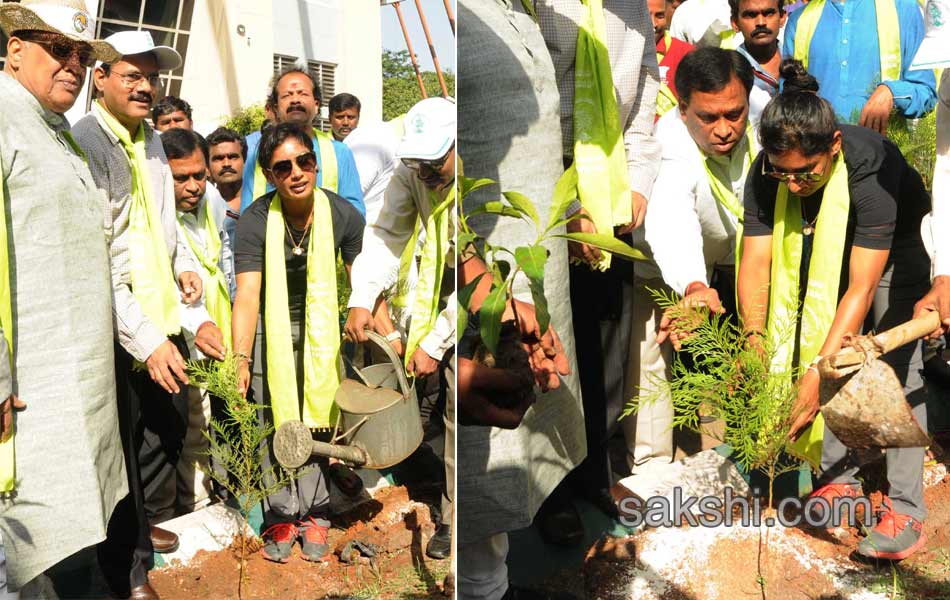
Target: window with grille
{"x": 325, "y": 74}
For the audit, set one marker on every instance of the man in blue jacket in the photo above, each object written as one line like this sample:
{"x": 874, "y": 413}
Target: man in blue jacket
{"x": 295, "y": 98}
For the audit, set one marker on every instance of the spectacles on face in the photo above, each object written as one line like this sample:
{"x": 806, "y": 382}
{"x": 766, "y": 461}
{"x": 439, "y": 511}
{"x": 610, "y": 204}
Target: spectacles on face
{"x": 62, "y": 49}
{"x": 799, "y": 177}
{"x": 134, "y": 79}
{"x": 283, "y": 168}
{"x": 435, "y": 165}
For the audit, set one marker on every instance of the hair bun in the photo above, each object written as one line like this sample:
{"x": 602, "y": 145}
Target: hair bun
{"x": 796, "y": 77}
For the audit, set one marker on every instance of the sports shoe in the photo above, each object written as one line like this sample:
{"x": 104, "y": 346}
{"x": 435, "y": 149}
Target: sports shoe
{"x": 895, "y": 537}
{"x": 278, "y": 541}
{"x": 829, "y": 493}
{"x": 313, "y": 539}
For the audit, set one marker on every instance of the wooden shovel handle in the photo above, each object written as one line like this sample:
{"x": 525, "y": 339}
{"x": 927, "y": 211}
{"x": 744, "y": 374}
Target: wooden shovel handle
{"x": 908, "y": 332}
{"x": 830, "y": 366}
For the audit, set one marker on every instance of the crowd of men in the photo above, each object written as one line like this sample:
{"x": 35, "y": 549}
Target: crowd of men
{"x": 745, "y": 121}
{"x": 130, "y": 244}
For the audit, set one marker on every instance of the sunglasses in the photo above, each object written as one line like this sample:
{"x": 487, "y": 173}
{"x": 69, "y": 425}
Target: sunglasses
{"x": 436, "y": 165}
{"x": 62, "y": 50}
{"x": 283, "y": 168}
{"x": 800, "y": 177}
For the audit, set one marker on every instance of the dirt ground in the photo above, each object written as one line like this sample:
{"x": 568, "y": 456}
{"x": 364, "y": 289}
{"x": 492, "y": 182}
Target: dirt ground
{"x": 397, "y": 525}
{"x": 797, "y": 563}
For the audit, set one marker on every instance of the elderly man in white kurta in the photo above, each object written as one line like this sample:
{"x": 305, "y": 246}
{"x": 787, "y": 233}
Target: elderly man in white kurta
{"x": 69, "y": 473}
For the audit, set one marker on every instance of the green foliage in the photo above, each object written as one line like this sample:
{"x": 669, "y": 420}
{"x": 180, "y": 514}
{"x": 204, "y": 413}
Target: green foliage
{"x": 400, "y": 88}
{"x": 529, "y": 259}
{"x": 342, "y": 288}
{"x": 917, "y": 140}
{"x": 237, "y": 445}
{"x": 733, "y": 381}
{"x": 246, "y": 120}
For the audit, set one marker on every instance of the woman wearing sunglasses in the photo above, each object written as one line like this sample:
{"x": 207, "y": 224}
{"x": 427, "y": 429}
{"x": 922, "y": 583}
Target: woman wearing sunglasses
{"x": 832, "y": 246}
{"x": 285, "y": 260}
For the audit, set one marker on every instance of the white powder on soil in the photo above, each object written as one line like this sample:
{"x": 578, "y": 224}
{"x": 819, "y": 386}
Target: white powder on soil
{"x": 671, "y": 559}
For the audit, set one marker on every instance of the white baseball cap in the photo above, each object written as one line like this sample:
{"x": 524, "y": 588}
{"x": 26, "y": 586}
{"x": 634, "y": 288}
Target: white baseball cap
{"x": 130, "y": 43}
{"x": 934, "y": 51}
{"x": 429, "y": 130}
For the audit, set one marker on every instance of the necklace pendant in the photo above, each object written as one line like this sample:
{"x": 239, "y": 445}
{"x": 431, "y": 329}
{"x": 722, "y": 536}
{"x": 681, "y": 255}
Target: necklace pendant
{"x": 297, "y": 251}
{"x": 808, "y": 230}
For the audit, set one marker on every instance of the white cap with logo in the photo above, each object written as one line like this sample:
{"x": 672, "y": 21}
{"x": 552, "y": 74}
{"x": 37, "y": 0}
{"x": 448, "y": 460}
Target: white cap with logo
{"x": 429, "y": 130}
{"x": 934, "y": 51}
{"x": 130, "y": 43}
{"x": 70, "y": 18}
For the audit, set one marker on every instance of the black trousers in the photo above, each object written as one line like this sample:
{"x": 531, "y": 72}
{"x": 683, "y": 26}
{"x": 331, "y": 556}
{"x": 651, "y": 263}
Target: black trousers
{"x": 152, "y": 425}
{"x": 602, "y": 307}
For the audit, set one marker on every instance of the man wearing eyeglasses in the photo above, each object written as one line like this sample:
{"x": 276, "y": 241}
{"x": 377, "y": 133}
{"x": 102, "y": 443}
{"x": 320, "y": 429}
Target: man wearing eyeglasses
{"x": 57, "y": 387}
{"x": 152, "y": 273}
{"x": 691, "y": 228}
{"x": 421, "y": 194}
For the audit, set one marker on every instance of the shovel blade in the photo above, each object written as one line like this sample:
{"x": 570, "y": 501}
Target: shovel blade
{"x": 867, "y": 409}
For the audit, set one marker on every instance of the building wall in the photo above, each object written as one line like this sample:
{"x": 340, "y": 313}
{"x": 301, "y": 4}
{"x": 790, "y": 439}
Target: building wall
{"x": 361, "y": 71}
{"x": 230, "y": 58}
{"x": 347, "y": 33}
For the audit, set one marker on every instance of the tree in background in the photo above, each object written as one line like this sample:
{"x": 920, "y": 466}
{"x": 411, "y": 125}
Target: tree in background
{"x": 400, "y": 88}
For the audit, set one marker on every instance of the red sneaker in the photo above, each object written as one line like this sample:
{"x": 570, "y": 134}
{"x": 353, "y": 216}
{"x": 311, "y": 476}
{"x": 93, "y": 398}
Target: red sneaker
{"x": 278, "y": 541}
{"x": 829, "y": 493}
{"x": 313, "y": 539}
{"x": 896, "y": 536}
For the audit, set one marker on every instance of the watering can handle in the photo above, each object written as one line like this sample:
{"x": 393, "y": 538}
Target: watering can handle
{"x": 908, "y": 332}
{"x": 387, "y": 348}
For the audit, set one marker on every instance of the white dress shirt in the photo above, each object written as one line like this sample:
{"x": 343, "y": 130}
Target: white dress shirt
{"x": 688, "y": 231}
{"x": 374, "y": 150}
{"x": 940, "y": 222}
{"x": 703, "y": 23}
{"x": 193, "y": 315}
{"x": 376, "y": 269}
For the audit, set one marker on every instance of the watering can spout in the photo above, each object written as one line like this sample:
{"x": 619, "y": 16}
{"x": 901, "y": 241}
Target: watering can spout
{"x": 294, "y": 445}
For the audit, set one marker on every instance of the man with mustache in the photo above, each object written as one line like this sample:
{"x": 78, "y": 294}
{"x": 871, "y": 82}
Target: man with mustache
{"x": 149, "y": 264}
{"x": 227, "y": 155}
{"x": 61, "y": 468}
{"x": 707, "y": 150}
{"x": 759, "y": 22}
{"x": 295, "y": 98}
{"x": 344, "y": 115}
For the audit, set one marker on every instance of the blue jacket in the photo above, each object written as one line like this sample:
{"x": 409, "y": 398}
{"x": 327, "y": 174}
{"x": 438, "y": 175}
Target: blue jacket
{"x": 845, "y": 58}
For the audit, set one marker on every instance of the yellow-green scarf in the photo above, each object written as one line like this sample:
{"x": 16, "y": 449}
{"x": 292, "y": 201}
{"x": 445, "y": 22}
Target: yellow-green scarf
{"x": 7, "y": 453}
{"x": 217, "y": 294}
{"x": 326, "y": 155}
{"x": 153, "y": 283}
{"x": 821, "y": 297}
{"x": 599, "y": 156}
{"x": 321, "y": 331}
{"x": 665, "y": 98}
{"x": 888, "y": 35}
{"x": 425, "y": 305}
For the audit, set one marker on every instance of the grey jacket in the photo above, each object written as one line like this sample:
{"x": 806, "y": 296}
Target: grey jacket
{"x": 110, "y": 168}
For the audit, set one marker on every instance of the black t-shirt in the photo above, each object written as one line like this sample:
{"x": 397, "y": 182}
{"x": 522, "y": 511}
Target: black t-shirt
{"x": 888, "y": 198}
{"x": 252, "y": 231}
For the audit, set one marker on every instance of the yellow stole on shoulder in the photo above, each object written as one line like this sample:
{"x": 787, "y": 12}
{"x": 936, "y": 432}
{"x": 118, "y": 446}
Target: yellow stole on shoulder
{"x": 321, "y": 331}
{"x": 821, "y": 296}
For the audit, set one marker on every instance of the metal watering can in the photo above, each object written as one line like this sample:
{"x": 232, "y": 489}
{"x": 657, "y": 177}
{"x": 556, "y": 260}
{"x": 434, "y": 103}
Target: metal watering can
{"x": 379, "y": 420}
